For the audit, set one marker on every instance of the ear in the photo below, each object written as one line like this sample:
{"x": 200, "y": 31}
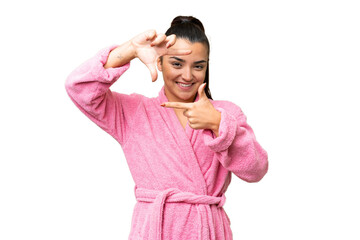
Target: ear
{"x": 159, "y": 64}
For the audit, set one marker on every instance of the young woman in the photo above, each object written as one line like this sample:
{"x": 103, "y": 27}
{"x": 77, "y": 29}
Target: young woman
{"x": 182, "y": 146}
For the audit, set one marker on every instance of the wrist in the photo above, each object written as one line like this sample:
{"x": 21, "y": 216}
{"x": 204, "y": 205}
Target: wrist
{"x": 216, "y": 123}
{"x": 131, "y": 49}
{"x": 120, "y": 56}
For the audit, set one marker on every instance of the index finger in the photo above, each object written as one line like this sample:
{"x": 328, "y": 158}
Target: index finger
{"x": 174, "y": 51}
{"x": 178, "y": 105}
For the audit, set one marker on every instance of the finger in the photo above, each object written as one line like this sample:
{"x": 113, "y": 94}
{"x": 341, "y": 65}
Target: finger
{"x": 150, "y": 34}
{"x": 158, "y": 40}
{"x": 170, "y": 40}
{"x": 153, "y": 71}
{"x": 201, "y": 91}
{"x": 195, "y": 126}
{"x": 174, "y": 51}
{"x": 178, "y": 105}
{"x": 186, "y": 113}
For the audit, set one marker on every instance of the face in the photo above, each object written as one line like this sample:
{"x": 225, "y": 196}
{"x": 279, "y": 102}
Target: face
{"x": 184, "y": 74}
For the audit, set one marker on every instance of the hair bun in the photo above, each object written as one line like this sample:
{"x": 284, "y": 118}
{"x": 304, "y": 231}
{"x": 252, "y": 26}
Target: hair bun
{"x": 187, "y": 20}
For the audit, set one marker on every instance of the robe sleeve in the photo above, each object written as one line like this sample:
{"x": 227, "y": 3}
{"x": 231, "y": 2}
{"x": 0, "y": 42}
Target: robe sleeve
{"x": 88, "y": 87}
{"x": 236, "y": 146}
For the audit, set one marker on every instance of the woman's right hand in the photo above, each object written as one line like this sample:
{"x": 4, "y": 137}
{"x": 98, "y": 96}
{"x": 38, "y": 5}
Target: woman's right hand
{"x": 148, "y": 47}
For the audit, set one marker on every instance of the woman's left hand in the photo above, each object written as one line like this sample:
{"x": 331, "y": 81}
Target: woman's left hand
{"x": 200, "y": 114}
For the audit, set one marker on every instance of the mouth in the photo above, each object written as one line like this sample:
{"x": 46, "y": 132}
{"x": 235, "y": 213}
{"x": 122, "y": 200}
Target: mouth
{"x": 184, "y": 86}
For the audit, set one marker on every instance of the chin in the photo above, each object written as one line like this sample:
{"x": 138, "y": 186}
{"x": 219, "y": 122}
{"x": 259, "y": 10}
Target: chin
{"x": 179, "y": 95}
{"x": 187, "y": 97}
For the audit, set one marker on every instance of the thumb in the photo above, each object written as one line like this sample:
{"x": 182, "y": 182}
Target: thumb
{"x": 201, "y": 91}
{"x": 153, "y": 71}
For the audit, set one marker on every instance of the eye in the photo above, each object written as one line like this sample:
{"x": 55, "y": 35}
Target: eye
{"x": 176, "y": 64}
{"x": 199, "y": 67}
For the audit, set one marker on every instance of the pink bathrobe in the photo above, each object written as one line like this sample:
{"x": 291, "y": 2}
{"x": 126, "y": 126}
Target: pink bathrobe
{"x": 180, "y": 175}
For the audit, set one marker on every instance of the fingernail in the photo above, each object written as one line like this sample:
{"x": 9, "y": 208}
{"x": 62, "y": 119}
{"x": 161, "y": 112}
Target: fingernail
{"x": 163, "y": 104}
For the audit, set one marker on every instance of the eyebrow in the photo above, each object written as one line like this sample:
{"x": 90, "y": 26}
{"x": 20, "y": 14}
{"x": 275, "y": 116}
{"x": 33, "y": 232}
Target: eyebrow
{"x": 182, "y": 60}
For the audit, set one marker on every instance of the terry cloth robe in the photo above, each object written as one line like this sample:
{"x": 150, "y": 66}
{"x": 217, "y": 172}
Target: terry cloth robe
{"x": 180, "y": 175}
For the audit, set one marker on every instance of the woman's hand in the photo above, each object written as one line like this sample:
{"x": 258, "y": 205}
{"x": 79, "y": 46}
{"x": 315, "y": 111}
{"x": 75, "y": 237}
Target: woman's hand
{"x": 149, "y": 46}
{"x": 200, "y": 114}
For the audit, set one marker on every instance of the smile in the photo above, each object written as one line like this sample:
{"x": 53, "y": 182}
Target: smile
{"x": 185, "y": 86}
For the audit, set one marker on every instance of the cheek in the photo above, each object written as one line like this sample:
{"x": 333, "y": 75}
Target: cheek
{"x": 170, "y": 74}
{"x": 200, "y": 76}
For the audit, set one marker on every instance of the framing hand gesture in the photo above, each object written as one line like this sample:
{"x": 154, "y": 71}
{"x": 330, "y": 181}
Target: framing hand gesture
{"x": 148, "y": 47}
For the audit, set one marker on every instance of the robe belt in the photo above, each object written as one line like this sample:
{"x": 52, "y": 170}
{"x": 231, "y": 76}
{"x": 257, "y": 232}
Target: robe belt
{"x": 172, "y": 195}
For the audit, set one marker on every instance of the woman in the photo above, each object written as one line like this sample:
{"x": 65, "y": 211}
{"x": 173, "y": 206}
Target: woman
{"x": 181, "y": 147}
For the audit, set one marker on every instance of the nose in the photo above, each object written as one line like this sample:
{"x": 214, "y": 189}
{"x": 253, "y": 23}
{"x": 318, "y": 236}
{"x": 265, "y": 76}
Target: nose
{"x": 187, "y": 74}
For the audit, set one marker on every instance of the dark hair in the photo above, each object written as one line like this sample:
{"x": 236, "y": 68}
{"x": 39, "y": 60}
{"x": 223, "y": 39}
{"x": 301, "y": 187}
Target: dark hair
{"x": 191, "y": 29}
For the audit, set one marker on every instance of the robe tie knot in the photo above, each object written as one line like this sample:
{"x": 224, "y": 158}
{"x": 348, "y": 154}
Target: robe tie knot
{"x": 171, "y": 195}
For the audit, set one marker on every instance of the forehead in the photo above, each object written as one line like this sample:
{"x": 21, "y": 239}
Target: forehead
{"x": 199, "y": 51}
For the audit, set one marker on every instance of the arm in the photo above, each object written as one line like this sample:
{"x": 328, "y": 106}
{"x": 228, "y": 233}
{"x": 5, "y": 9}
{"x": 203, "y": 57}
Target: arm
{"x": 88, "y": 85}
{"x": 236, "y": 147}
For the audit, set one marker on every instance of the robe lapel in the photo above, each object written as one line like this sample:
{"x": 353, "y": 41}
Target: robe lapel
{"x": 183, "y": 139}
